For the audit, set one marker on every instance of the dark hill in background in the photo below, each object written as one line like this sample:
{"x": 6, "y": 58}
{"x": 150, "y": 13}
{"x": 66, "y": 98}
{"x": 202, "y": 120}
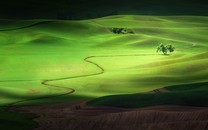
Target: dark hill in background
{"x": 84, "y": 9}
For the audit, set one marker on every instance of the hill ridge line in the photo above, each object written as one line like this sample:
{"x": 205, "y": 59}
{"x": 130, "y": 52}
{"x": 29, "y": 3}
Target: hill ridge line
{"x": 27, "y": 26}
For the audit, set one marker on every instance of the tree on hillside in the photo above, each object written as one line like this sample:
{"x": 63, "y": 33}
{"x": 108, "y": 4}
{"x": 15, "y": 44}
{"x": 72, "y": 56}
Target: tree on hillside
{"x": 170, "y": 48}
{"x": 121, "y": 30}
{"x": 165, "y": 49}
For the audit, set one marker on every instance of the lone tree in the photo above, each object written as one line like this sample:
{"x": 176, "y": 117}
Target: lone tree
{"x": 170, "y": 48}
{"x": 165, "y": 49}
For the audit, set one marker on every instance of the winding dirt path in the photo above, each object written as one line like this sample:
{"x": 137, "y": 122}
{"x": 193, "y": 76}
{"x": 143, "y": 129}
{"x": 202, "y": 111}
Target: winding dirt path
{"x": 69, "y": 90}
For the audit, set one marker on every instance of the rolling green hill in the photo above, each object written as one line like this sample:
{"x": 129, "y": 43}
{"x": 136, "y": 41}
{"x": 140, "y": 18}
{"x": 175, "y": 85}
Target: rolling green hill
{"x": 50, "y": 61}
{"x": 55, "y": 51}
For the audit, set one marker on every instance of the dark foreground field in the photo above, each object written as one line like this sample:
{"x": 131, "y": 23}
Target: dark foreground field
{"x": 81, "y": 115}
{"x": 78, "y": 116}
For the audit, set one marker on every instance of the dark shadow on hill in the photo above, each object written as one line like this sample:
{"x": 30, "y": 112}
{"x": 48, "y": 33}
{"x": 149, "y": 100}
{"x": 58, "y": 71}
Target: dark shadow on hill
{"x": 195, "y": 94}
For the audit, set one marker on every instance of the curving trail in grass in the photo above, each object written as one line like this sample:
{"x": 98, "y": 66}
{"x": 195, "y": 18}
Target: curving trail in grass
{"x": 69, "y": 90}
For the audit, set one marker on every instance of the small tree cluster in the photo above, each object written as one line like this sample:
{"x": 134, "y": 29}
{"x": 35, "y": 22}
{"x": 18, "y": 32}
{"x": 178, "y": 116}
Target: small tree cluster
{"x": 121, "y": 31}
{"x": 165, "y": 49}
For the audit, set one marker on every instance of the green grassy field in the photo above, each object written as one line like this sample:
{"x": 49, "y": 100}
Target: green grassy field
{"x": 57, "y": 49}
{"x": 86, "y": 57}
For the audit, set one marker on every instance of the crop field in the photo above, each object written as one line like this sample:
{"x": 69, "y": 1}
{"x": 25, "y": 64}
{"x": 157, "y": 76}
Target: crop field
{"x": 56, "y": 61}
